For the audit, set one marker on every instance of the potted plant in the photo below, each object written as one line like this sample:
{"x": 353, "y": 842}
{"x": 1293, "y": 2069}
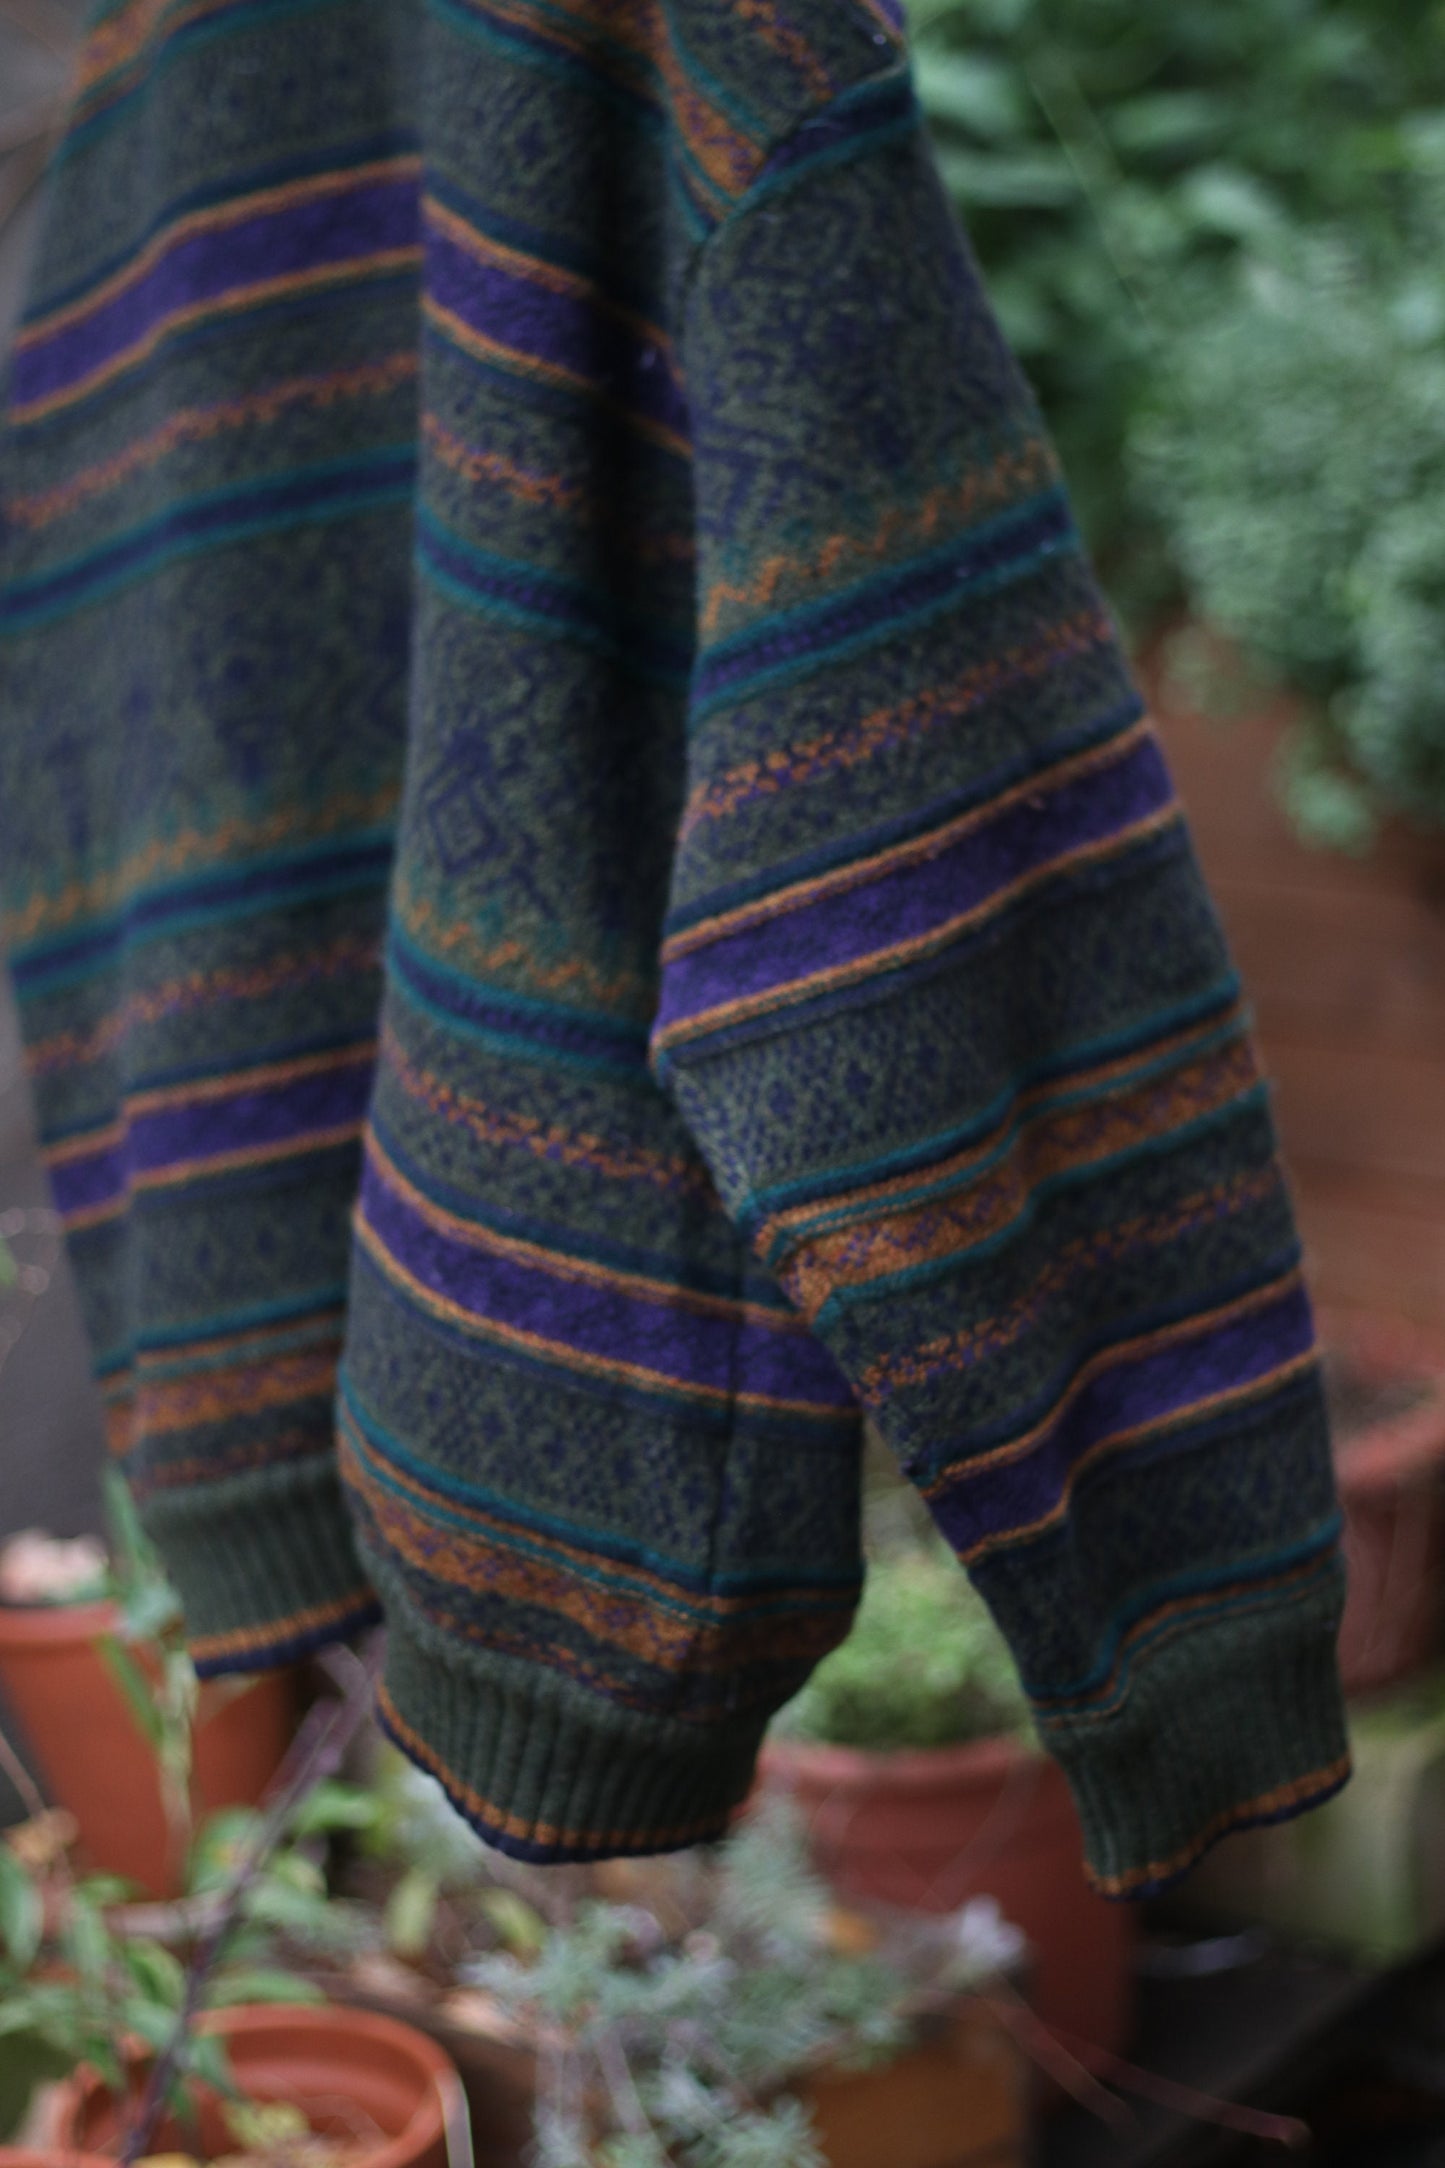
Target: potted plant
{"x": 93, "y": 1664}
{"x": 186, "y": 2025}
{"x": 717, "y": 2010}
{"x": 911, "y": 1755}
{"x": 713, "y": 2008}
{"x": 1387, "y": 1391}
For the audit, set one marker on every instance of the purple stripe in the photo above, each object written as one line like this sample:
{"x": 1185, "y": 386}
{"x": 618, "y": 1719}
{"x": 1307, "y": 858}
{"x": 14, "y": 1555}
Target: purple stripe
{"x": 729, "y": 1353}
{"x": 1148, "y": 1390}
{"x": 561, "y": 329}
{"x": 241, "y": 1121}
{"x": 917, "y": 898}
{"x": 339, "y": 228}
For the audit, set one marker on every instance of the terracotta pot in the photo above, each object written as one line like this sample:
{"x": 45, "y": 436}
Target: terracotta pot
{"x": 57, "y": 2158}
{"x": 93, "y": 1756}
{"x": 930, "y": 1830}
{"x": 354, "y": 2074}
{"x": 1391, "y": 1473}
{"x": 37, "y": 2156}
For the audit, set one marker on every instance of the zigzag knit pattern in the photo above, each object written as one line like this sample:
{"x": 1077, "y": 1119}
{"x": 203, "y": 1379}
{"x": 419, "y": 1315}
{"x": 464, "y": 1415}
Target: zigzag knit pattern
{"x": 577, "y": 843}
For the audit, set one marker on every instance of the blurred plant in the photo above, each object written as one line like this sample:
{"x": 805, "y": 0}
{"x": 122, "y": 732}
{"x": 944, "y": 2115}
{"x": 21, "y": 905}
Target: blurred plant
{"x": 924, "y": 1665}
{"x": 1300, "y": 440}
{"x": 1103, "y": 151}
{"x": 668, "y": 2031}
{"x": 82, "y": 1972}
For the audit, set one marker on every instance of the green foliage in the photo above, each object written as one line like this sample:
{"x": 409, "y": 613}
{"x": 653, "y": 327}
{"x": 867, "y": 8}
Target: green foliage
{"x": 79, "y": 1975}
{"x": 669, "y": 2047}
{"x": 924, "y": 1665}
{"x": 1301, "y": 440}
{"x": 1215, "y": 237}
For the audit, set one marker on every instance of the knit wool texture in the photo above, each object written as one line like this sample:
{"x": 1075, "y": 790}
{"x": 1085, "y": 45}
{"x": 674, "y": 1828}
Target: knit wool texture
{"x": 592, "y": 896}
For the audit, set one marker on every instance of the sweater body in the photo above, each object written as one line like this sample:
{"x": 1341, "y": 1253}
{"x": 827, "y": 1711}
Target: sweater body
{"x": 591, "y": 897}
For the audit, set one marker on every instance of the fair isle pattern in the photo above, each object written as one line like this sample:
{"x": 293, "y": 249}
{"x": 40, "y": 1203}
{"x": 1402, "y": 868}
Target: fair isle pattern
{"x": 591, "y": 896}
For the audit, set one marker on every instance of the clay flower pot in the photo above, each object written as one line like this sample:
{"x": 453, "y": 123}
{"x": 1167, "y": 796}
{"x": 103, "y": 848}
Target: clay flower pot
{"x": 355, "y": 2075}
{"x": 929, "y": 1830}
{"x": 93, "y": 1756}
{"x": 1389, "y": 1393}
{"x": 36, "y": 2156}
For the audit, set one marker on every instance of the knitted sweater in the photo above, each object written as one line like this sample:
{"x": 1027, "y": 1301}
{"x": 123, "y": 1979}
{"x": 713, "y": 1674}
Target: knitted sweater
{"x": 576, "y": 842}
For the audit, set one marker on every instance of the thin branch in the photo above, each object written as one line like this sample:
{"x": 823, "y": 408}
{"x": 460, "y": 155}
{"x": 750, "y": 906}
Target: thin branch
{"x": 314, "y": 1754}
{"x": 23, "y": 1781}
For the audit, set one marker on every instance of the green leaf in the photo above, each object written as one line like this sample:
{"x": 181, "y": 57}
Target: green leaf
{"x": 1037, "y": 180}
{"x": 139, "y": 1690}
{"x": 520, "y": 1926}
{"x": 261, "y": 1983}
{"x": 156, "y": 1971}
{"x": 974, "y": 92}
{"x": 22, "y": 1910}
{"x": 332, "y": 1806}
{"x": 410, "y": 1912}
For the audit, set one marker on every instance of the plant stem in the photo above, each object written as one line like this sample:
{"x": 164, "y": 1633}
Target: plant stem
{"x": 314, "y": 1754}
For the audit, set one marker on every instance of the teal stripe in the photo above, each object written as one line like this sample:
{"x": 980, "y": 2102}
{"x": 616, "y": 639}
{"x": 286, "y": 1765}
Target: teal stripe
{"x": 229, "y": 869}
{"x": 383, "y": 1445}
{"x": 626, "y": 1030}
{"x": 761, "y": 1204}
{"x": 914, "y": 1276}
{"x": 186, "y": 548}
{"x": 514, "y": 1046}
{"x": 948, "y": 1185}
{"x": 219, "y": 1323}
{"x": 771, "y": 186}
{"x": 233, "y": 23}
{"x": 590, "y": 637}
{"x": 838, "y": 651}
{"x": 1257, "y": 1577}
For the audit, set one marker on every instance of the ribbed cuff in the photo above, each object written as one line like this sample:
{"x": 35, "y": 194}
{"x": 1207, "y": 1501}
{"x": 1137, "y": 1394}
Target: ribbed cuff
{"x": 547, "y": 1771}
{"x": 1233, "y": 1722}
{"x": 264, "y": 1565}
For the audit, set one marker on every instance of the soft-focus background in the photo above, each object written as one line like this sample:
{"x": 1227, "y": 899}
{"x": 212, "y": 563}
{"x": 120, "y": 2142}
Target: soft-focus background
{"x": 1216, "y": 236}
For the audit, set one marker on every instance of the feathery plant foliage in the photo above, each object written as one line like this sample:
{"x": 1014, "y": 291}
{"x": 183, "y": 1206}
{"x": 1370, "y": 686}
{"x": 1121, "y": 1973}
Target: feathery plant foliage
{"x": 1216, "y": 236}
{"x": 924, "y": 1664}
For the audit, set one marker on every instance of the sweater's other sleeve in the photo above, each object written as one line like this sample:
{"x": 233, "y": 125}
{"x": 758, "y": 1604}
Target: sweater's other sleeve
{"x": 948, "y": 1010}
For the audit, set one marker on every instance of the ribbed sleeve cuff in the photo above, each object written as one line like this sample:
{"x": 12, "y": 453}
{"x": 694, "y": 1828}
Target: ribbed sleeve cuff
{"x": 1231, "y": 1723}
{"x": 264, "y": 1565}
{"x": 544, "y": 1769}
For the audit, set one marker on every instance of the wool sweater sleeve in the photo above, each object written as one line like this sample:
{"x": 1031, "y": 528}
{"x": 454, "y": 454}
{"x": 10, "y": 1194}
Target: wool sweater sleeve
{"x": 946, "y": 1006}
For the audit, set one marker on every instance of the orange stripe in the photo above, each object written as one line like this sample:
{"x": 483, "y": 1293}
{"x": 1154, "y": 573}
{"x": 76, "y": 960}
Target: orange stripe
{"x": 605, "y": 1841}
{"x": 1060, "y": 1142}
{"x": 194, "y": 425}
{"x": 1022, "y": 471}
{"x": 787, "y": 766}
{"x": 860, "y": 873}
{"x": 629, "y": 995}
{"x": 562, "y": 1265}
{"x": 506, "y": 1128}
{"x": 558, "y": 1353}
{"x": 315, "y": 280}
{"x": 1119, "y": 1441}
{"x": 614, "y": 1617}
{"x": 72, "y": 1049}
{"x": 862, "y": 1203}
{"x": 257, "y": 1640}
{"x": 171, "y": 855}
{"x": 473, "y": 242}
{"x": 919, "y": 946}
{"x": 891, "y": 1374}
{"x": 1123, "y": 1351}
{"x": 235, "y": 212}
{"x": 477, "y": 344}
{"x": 1265, "y": 1807}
